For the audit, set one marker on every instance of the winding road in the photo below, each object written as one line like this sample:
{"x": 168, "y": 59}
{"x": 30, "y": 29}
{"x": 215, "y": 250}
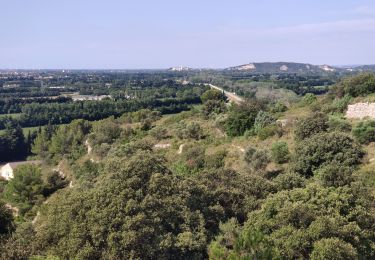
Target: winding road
{"x": 231, "y": 96}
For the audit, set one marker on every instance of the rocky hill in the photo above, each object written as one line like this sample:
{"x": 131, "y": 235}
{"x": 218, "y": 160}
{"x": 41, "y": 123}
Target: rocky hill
{"x": 283, "y": 67}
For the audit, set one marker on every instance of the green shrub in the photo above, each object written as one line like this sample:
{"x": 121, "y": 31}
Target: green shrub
{"x": 194, "y": 156}
{"x": 289, "y": 181}
{"x": 241, "y": 118}
{"x": 334, "y": 175}
{"x": 338, "y": 123}
{"x": 192, "y": 131}
{"x": 333, "y": 248}
{"x": 216, "y": 160}
{"x": 257, "y": 159}
{"x": 146, "y": 124}
{"x": 26, "y": 188}
{"x": 54, "y": 181}
{"x": 236, "y": 243}
{"x": 213, "y": 94}
{"x": 360, "y": 85}
{"x": 262, "y": 120}
{"x": 323, "y": 148}
{"x": 280, "y": 152}
{"x": 308, "y": 99}
{"x": 267, "y": 132}
{"x": 249, "y": 154}
{"x": 340, "y": 105}
{"x": 311, "y": 125}
{"x": 278, "y": 107}
{"x": 364, "y": 132}
{"x": 6, "y": 221}
{"x": 86, "y": 171}
{"x": 159, "y": 133}
{"x": 213, "y": 107}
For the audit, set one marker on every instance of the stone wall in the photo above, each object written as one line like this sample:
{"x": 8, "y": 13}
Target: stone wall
{"x": 361, "y": 110}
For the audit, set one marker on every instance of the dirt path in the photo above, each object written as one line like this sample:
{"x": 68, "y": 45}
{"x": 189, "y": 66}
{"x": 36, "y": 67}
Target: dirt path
{"x": 239, "y": 148}
{"x": 180, "y": 149}
{"x": 89, "y": 147}
{"x": 220, "y": 133}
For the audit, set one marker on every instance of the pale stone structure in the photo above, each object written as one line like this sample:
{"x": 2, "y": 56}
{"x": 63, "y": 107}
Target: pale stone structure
{"x": 361, "y": 110}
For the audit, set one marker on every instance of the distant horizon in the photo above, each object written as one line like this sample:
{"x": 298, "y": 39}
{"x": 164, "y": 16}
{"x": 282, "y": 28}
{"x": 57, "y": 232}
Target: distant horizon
{"x": 200, "y": 34}
{"x": 185, "y": 66}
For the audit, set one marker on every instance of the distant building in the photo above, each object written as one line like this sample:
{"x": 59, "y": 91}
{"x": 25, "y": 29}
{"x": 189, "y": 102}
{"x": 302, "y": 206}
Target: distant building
{"x": 7, "y": 170}
{"x": 57, "y": 87}
{"x": 89, "y": 97}
{"x": 181, "y": 68}
{"x": 11, "y": 85}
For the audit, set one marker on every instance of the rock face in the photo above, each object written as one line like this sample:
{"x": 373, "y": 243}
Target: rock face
{"x": 327, "y": 68}
{"x": 361, "y": 110}
{"x": 284, "y": 68}
{"x": 282, "y": 122}
{"x": 250, "y": 66}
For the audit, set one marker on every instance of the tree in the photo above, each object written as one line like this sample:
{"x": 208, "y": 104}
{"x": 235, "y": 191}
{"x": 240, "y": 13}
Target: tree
{"x": 26, "y": 188}
{"x": 241, "y": 118}
{"x": 12, "y": 142}
{"x": 16, "y": 139}
{"x": 69, "y": 140}
{"x": 213, "y": 94}
{"x": 42, "y": 143}
{"x": 213, "y": 107}
{"x": 6, "y": 221}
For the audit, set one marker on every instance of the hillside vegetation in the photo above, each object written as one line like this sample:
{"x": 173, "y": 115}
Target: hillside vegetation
{"x": 269, "y": 178}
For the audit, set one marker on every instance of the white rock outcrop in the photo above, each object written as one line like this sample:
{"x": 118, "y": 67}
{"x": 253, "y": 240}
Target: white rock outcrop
{"x": 284, "y": 68}
{"x": 361, "y": 110}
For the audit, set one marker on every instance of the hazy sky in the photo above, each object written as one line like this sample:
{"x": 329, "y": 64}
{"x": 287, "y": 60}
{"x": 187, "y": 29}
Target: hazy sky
{"x": 122, "y": 34}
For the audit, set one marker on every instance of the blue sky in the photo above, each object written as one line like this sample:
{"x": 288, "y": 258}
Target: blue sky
{"x": 114, "y": 34}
